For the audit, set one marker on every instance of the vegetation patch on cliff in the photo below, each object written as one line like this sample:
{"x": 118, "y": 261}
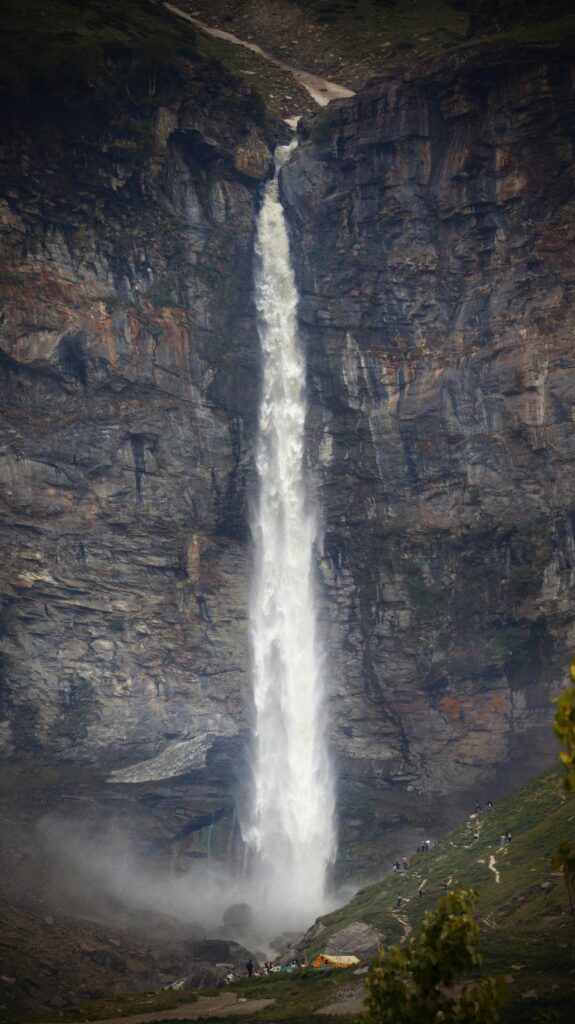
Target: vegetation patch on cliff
{"x": 91, "y": 52}
{"x": 114, "y": 62}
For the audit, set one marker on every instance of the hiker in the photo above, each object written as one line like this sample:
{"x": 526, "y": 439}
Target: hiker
{"x": 420, "y": 890}
{"x": 250, "y": 968}
{"x": 502, "y": 841}
{"x": 230, "y": 976}
{"x": 477, "y": 806}
{"x": 489, "y": 805}
{"x": 508, "y": 837}
{"x": 445, "y": 883}
{"x": 397, "y": 866}
{"x": 398, "y": 900}
{"x": 405, "y": 862}
{"x": 427, "y": 844}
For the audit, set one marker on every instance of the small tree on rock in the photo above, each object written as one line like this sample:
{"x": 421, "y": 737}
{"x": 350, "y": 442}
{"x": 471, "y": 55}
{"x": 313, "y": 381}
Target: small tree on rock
{"x": 418, "y": 983}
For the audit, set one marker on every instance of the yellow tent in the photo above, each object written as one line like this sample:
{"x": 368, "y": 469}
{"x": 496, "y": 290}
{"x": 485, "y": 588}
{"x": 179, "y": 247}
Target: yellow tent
{"x": 324, "y": 960}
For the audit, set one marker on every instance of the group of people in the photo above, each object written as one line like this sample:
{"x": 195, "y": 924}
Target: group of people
{"x": 404, "y": 864}
{"x": 250, "y": 971}
{"x": 269, "y": 967}
{"x": 425, "y": 846}
{"x": 488, "y": 805}
{"x": 231, "y": 976}
{"x": 399, "y": 897}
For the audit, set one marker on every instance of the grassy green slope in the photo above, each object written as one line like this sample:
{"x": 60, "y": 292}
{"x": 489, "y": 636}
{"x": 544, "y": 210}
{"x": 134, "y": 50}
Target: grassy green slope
{"x": 523, "y": 908}
{"x": 297, "y": 998}
{"x": 72, "y": 49}
{"x": 355, "y": 41}
{"x": 407, "y": 29}
{"x": 110, "y": 60}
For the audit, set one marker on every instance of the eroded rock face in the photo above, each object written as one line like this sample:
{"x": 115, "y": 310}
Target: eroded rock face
{"x": 358, "y": 939}
{"x": 430, "y": 226}
{"x": 129, "y": 392}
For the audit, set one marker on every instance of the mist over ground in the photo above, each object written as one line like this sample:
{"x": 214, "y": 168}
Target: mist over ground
{"x": 97, "y": 874}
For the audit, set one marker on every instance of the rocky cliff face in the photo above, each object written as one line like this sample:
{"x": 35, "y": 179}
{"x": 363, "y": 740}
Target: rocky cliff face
{"x": 129, "y": 390}
{"x": 431, "y": 221}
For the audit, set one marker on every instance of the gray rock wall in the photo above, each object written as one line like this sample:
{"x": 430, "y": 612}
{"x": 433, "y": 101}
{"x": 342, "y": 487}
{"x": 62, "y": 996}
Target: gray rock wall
{"x": 431, "y": 221}
{"x": 129, "y": 391}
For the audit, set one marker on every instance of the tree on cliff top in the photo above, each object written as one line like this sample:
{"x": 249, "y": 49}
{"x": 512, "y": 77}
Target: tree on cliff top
{"x": 418, "y": 983}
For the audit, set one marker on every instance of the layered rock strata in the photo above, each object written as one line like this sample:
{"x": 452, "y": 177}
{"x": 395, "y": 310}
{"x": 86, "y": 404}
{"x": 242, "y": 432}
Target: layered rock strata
{"x": 129, "y": 390}
{"x": 433, "y": 223}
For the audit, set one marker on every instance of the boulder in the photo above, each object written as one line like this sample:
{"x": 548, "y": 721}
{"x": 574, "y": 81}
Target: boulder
{"x": 358, "y": 938}
{"x": 200, "y": 974}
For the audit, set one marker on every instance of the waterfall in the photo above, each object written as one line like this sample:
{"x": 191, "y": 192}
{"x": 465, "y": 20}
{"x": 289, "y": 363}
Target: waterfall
{"x": 292, "y": 832}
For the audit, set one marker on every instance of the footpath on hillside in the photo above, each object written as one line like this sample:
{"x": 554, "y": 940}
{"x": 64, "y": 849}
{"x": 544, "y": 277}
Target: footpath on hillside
{"x": 320, "y": 89}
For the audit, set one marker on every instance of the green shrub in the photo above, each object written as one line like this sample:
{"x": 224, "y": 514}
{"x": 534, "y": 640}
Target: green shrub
{"x": 163, "y": 291}
{"x": 7, "y": 614}
{"x": 322, "y": 128}
{"x": 418, "y": 983}
{"x": 524, "y": 582}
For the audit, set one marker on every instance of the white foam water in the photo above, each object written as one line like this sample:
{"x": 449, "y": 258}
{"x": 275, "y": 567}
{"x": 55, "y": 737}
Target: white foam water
{"x": 292, "y": 831}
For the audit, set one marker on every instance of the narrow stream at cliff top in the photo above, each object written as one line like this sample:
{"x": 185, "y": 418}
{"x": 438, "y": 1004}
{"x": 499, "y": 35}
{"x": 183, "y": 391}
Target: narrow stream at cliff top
{"x": 292, "y": 831}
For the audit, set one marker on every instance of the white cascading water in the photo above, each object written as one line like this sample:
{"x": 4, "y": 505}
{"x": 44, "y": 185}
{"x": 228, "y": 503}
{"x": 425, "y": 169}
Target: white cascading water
{"x": 292, "y": 833}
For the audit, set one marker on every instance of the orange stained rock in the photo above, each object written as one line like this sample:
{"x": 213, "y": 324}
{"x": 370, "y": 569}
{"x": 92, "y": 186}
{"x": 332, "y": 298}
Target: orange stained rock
{"x": 477, "y": 708}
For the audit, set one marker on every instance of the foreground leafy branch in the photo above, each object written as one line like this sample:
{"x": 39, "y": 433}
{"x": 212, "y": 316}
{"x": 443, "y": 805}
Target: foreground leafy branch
{"x": 418, "y": 983}
{"x": 565, "y": 732}
{"x": 564, "y": 859}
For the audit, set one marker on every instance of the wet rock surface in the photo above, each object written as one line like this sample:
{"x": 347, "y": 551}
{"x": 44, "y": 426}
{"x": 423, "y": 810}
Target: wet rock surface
{"x": 430, "y": 221}
{"x": 129, "y": 388}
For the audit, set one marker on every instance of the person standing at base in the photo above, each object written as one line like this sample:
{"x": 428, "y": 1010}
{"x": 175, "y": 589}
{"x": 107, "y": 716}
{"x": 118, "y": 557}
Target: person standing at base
{"x": 250, "y": 968}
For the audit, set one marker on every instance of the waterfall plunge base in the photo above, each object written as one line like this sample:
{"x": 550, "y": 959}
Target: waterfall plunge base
{"x": 292, "y": 831}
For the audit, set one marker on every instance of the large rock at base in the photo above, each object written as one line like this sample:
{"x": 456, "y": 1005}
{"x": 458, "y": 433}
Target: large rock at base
{"x": 220, "y": 951}
{"x": 201, "y": 973}
{"x": 358, "y": 938}
{"x": 238, "y": 919}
